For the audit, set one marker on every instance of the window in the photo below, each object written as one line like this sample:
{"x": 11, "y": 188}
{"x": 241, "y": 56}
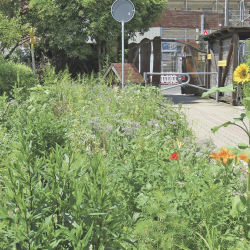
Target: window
{"x": 206, "y": 9}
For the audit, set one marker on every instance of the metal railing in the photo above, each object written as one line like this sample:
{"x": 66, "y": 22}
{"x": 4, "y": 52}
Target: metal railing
{"x": 145, "y": 74}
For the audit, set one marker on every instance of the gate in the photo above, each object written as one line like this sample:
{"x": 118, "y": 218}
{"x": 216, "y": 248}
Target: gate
{"x": 180, "y": 77}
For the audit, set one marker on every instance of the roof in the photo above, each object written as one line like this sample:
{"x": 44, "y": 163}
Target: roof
{"x": 130, "y": 72}
{"x": 243, "y": 33}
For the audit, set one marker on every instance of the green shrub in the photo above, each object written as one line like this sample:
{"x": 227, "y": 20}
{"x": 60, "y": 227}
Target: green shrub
{"x": 14, "y": 74}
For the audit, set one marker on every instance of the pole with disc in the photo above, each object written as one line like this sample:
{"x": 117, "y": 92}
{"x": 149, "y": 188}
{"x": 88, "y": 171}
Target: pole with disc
{"x": 123, "y": 11}
{"x": 122, "y": 54}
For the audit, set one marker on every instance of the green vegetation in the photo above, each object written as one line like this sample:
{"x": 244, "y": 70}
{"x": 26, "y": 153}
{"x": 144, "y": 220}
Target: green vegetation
{"x": 63, "y": 30}
{"x": 12, "y": 74}
{"x": 85, "y": 166}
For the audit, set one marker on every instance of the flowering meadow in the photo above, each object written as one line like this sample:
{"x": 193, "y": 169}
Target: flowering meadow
{"x": 88, "y": 166}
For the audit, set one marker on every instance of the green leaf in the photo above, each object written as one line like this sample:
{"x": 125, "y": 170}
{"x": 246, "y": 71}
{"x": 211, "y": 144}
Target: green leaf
{"x": 182, "y": 247}
{"x": 243, "y": 145}
{"x": 228, "y": 88}
{"x": 248, "y": 114}
{"x": 130, "y": 242}
{"x": 87, "y": 236}
{"x": 216, "y": 128}
{"x": 3, "y": 213}
{"x": 238, "y": 205}
{"x": 70, "y": 219}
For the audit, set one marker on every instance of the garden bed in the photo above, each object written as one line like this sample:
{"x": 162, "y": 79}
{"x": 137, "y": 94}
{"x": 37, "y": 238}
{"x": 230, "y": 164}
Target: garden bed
{"x": 87, "y": 167}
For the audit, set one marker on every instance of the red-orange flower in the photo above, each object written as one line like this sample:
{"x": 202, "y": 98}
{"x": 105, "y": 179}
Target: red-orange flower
{"x": 224, "y": 155}
{"x": 174, "y": 157}
{"x": 244, "y": 157}
{"x": 215, "y": 156}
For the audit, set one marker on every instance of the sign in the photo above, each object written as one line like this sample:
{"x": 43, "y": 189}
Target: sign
{"x": 123, "y": 10}
{"x": 205, "y": 32}
{"x": 209, "y": 56}
{"x": 222, "y": 63}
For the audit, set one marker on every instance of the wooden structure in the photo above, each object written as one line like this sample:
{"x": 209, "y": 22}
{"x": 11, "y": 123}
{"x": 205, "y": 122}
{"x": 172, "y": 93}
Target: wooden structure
{"x": 131, "y": 74}
{"x": 223, "y": 49}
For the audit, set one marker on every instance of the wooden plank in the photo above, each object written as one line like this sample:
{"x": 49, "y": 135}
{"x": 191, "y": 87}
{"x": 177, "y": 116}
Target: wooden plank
{"x": 214, "y": 65}
{"x": 220, "y": 58}
{"x": 195, "y": 66}
{"x": 235, "y": 41}
{"x": 229, "y": 55}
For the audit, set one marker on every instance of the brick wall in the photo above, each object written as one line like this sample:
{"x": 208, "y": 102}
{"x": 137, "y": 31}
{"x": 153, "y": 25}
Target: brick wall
{"x": 190, "y": 19}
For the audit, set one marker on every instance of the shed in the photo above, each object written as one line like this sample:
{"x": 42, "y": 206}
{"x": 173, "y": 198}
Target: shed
{"x": 223, "y": 46}
{"x": 131, "y": 74}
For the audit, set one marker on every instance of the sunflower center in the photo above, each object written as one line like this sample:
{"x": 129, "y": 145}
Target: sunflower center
{"x": 243, "y": 74}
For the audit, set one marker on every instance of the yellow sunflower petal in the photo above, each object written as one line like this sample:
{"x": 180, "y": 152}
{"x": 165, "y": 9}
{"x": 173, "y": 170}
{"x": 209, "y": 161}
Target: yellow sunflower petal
{"x": 241, "y": 74}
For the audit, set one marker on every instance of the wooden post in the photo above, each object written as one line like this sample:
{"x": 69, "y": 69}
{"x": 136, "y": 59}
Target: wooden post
{"x": 235, "y": 40}
{"x": 220, "y": 58}
{"x": 208, "y": 66}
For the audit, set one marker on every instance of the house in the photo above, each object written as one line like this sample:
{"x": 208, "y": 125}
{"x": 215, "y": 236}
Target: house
{"x": 114, "y": 74}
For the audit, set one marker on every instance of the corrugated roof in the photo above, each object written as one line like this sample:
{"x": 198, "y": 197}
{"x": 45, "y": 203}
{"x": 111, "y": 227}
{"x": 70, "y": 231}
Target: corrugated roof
{"x": 130, "y": 72}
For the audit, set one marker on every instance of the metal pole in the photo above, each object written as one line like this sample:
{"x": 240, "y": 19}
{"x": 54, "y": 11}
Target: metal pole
{"x": 122, "y": 54}
{"x": 145, "y": 77}
{"x": 140, "y": 59}
{"x": 226, "y": 23}
{"x": 33, "y": 60}
{"x": 202, "y": 24}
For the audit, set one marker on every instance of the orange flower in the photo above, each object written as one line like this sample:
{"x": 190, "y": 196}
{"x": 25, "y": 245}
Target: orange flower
{"x": 174, "y": 157}
{"x": 215, "y": 156}
{"x": 224, "y": 155}
{"x": 243, "y": 157}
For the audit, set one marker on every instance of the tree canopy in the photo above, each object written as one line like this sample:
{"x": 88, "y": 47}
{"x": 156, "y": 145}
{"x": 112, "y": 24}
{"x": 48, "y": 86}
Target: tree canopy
{"x": 14, "y": 26}
{"x": 68, "y": 24}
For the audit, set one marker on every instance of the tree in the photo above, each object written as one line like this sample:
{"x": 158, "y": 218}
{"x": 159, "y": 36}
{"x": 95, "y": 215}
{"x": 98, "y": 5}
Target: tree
{"x": 68, "y": 25}
{"x": 14, "y": 27}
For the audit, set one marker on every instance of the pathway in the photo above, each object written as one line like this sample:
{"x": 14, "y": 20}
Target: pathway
{"x": 203, "y": 114}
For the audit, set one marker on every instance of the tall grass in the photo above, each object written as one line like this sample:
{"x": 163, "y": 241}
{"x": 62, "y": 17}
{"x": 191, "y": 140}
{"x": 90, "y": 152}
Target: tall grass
{"x": 85, "y": 166}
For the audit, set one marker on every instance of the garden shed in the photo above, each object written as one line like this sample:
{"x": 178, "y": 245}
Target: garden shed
{"x": 223, "y": 56}
{"x": 114, "y": 73}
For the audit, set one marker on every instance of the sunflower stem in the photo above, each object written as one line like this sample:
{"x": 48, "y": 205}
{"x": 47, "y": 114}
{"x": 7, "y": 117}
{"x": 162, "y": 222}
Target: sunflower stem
{"x": 248, "y": 181}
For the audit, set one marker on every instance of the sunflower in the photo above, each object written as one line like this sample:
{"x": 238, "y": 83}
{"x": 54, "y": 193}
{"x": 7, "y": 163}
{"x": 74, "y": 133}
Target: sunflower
{"x": 241, "y": 74}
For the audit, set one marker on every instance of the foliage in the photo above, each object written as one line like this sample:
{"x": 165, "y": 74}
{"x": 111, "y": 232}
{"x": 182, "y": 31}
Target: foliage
{"x": 14, "y": 25}
{"x": 67, "y": 26}
{"x": 241, "y": 202}
{"x": 87, "y": 166}
{"x": 14, "y": 74}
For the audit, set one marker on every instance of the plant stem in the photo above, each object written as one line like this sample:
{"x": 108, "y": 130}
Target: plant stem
{"x": 248, "y": 180}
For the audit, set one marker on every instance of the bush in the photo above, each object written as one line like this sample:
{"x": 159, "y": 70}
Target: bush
{"x": 12, "y": 74}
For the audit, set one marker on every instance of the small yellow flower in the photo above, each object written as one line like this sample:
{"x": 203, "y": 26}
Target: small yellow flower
{"x": 212, "y": 186}
{"x": 180, "y": 116}
{"x": 125, "y": 228}
{"x": 187, "y": 128}
{"x": 197, "y": 122}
